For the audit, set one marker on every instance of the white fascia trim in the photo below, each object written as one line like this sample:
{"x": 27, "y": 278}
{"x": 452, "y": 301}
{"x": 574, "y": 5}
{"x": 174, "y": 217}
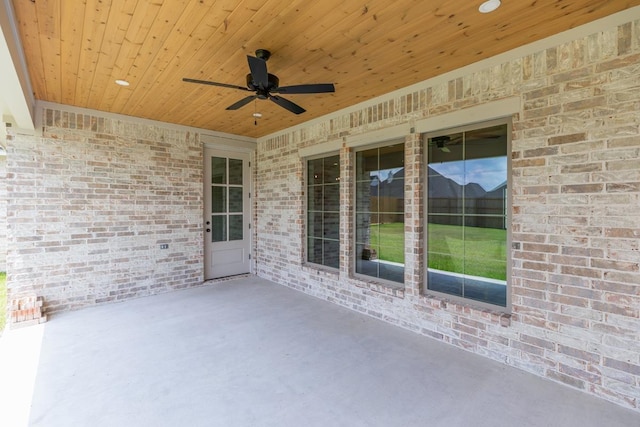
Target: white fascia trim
{"x": 15, "y": 85}
{"x": 602, "y": 24}
{"x": 206, "y": 136}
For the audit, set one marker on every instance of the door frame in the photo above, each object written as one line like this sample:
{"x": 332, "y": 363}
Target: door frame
{"x": 247, "y": 148}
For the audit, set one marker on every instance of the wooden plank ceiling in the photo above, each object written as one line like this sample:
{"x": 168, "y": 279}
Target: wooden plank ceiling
{"x": 75, "y": 50}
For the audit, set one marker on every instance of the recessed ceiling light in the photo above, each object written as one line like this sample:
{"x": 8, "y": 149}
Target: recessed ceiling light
{"x": 122, "y": 82}
{"x": 489, "y": 6}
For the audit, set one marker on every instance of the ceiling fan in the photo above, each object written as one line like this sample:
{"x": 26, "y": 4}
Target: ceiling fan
{"x": 441, "y": 142}
{"x": 265, "y": 84}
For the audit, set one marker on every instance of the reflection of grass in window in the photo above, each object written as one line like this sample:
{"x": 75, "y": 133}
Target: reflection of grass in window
{"x": 484, "y": 248}
{"x": 390, "y": 242}
{"x": 3, "y": 298}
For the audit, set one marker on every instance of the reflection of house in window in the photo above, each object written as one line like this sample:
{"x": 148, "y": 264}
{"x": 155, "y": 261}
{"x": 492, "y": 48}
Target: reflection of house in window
{"x": 467, "y": 214}
{"x": 380, "y": 213}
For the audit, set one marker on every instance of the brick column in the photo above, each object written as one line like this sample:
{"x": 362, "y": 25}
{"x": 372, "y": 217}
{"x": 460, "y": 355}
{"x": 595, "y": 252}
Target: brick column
{"x": 414, "y": 220}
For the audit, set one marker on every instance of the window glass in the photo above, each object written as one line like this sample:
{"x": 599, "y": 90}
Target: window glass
{"x": 467, "y": 214}
{"x": 219, "y": 228}
{"x": 218, "y": 170}
{"x": 323, "y": 211}
{"x": 235, "y": 171}
{"x": 235, "y": 227}
{"x": 379, "y": 213}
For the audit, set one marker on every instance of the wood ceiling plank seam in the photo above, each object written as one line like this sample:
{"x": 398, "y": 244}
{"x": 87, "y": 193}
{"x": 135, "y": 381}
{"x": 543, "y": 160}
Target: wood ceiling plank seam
{"x": 205, "y": 94}
{"x": 152, "y": 47}
{"x": 93, "y": 30}
{"x": 49, "y": 29}
{"x": 104, "y": 88}
{"x": 313, "y": 19}
{"x": 185, "y": 40}
{"x": 139, "y": 35}
{"x": 28, "y": 24}
{"x": 180, "y": 102}
{"x": 324, "y": 40}
{"x": 392, "y": 31}
{"x": 72, "y": 22}
{"x": 325, "y": 57}
{"x": 244, "y": 15}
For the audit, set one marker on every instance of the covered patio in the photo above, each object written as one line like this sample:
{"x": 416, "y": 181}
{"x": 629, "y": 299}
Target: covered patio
{"x": 248, "y": 352}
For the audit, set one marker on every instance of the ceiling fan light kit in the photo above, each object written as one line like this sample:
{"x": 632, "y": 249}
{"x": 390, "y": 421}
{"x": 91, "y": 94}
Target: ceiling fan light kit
{"x": 264, "y": 84}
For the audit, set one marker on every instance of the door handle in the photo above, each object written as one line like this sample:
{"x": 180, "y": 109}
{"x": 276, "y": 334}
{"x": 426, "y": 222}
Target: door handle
{"x": 208, "y": 230}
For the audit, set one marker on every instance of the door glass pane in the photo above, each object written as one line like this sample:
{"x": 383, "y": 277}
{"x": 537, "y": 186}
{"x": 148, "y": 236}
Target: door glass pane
{"x": 235, "y": 227}
{"x": 235, "y": 172}
{"x": 235, "y": 199}
{"x": 218, "y": 199}
{"x": 218, "y": 170}
{"x": 219, "y": 228}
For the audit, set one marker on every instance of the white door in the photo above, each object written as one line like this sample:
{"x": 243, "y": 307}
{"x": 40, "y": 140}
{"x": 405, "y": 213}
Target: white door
{"x": 226, "y": 213}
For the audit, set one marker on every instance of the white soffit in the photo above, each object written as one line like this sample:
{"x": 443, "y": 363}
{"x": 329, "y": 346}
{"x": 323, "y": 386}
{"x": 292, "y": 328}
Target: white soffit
{"x": 16, "y": 96}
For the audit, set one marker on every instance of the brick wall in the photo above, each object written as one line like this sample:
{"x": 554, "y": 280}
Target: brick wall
{"x": 90, "y": 203}
{"x": 3, "y": 213}
{"x": 576, "y": 196}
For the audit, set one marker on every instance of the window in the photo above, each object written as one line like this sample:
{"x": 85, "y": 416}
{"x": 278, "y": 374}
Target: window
{"x": 323, "y": 211}
{"x": 467, "y": 213}
{"x": 379, "y": 213}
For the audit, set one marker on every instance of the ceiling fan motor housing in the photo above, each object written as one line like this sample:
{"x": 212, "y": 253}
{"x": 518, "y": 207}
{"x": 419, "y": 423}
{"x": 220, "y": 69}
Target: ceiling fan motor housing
{"x": 272, "y": 84}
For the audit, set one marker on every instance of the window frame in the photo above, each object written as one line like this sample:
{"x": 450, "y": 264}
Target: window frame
{"x": 354, "y": 253}
{"x": 508, "y": 121}
{"x": 306, "y": 160}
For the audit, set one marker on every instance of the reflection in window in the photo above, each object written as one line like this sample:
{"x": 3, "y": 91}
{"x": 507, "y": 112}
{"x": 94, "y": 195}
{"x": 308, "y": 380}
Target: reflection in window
{"x": 380, "y": 213}
{"x": 323, "y": 211}
{"x": 467, "y": 214}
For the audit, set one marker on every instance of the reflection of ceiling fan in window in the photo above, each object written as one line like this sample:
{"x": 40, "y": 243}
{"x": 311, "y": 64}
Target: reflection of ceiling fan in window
{"x": 445, "y": 142}
{"x": 441, "y": 142}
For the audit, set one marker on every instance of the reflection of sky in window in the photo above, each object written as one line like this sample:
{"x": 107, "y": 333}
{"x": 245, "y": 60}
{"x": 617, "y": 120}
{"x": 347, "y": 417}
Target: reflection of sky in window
{"x": 383, "y": 175}
{"x": 488, "y": 172}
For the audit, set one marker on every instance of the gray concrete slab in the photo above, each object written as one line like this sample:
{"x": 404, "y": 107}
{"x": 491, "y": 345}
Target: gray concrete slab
{"x": 247, "y": 352}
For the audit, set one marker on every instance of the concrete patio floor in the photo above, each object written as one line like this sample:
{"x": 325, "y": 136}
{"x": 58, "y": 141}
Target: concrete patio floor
{"x": 247, "y": 352}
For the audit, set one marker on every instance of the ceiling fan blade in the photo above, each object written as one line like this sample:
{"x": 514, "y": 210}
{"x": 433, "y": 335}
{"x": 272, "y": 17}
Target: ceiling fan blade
{"x": 285, "y": 103}
{"x": 310, "y": 88}
{"x": 207, "y": 82}
{"x": 242, "y": 102}
{"x": 259, "y": 73}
